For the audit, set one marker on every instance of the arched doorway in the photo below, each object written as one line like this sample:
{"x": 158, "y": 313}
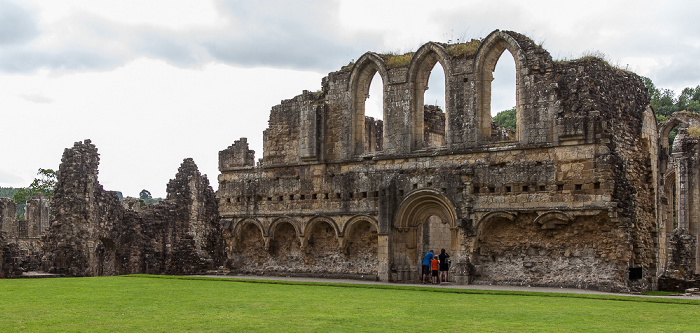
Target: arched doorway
{"x": 425, "y": 220}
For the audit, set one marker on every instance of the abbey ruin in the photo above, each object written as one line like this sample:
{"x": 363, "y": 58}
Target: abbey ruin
{"x": 584, "y": 193}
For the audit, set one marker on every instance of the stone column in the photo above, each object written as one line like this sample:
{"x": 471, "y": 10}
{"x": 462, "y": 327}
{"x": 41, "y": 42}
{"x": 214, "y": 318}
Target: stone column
{"x": 682, "y": 187}
{"x": 383, "y": 270}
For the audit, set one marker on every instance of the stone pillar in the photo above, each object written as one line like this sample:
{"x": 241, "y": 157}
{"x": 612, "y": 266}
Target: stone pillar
{"x": 383, "y": 270}
{"x": 682, "y": 187}
{"x": 8, "y": 215}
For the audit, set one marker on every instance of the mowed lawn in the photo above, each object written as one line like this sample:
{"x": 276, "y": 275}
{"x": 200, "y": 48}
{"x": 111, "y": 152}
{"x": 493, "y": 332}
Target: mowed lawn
{"x": 174, "y": 305}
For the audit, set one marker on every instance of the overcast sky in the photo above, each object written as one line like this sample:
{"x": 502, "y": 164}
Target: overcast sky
{"x": 154, "y": 82}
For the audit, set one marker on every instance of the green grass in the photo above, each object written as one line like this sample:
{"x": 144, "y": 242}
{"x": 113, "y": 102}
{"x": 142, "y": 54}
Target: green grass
{"x": 166, "y": 304}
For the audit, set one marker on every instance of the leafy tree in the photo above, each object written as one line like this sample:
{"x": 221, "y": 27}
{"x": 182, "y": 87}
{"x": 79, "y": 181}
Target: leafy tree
{"x": 145, "y": 194}
{"x": 506, "y": 118}
{"x": 45, "y": 184}
{"x": 8, "y": 192}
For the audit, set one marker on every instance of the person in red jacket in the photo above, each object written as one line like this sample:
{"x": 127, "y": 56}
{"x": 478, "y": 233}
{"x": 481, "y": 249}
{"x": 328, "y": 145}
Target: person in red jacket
{"x": 435, "y": 265}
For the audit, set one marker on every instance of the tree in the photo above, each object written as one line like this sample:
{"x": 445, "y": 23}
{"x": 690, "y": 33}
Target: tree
{"x": 145, "y": 194}
{"x": 506, "y": 118}
{"x": 45, "y": 184}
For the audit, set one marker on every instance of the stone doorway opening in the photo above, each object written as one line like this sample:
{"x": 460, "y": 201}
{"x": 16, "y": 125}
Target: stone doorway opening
{"x": 425, "y": 221}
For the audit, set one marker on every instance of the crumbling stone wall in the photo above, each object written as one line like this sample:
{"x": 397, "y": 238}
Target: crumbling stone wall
{"x": 8, "y": 217}
{"x": 434, "y": 131}
{"x": 22, "y": 237}
{"x": 93, "y": 234}
{"x": 571, "y": 190}
{"x": 374, "y": 134}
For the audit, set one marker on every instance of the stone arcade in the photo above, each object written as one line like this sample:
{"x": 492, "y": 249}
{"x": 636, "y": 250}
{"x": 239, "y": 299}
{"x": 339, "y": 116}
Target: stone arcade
{"x": 582, "y": 194}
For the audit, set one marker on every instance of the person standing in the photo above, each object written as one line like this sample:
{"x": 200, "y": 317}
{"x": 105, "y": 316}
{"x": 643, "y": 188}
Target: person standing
{"x": 426, "y": 264}
{"x": 444, "y": 265}
{"x": 435, "y": 264}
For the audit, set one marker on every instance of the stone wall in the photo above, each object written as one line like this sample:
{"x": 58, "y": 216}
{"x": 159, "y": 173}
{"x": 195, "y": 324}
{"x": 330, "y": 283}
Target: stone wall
{"x": 93, "y": 234}
{"x": 8, "y": 217}
{"x": 565, "y": 200}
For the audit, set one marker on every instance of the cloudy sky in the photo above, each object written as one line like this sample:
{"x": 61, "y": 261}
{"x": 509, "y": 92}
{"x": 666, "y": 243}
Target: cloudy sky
{"x": 153, "y": 82}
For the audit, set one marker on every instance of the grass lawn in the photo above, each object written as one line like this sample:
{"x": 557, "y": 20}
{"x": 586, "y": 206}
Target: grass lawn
{"x": 144, "y": 303}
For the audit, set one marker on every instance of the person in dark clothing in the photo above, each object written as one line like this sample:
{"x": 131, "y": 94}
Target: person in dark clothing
{"x": 444, "y": 265}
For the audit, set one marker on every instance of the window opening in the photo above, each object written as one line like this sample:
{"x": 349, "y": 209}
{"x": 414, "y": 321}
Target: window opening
{"x": 434, "y": 107}
{"x": 374, "y": 115}
{"x": 503, "y": 99}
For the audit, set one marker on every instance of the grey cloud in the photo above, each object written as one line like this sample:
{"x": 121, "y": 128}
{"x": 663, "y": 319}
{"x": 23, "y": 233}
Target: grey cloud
{"x": 17, "y": 24}
{"x": 272, "y": 33}
{"x": 37, "y": 98}
{"x": 277, "y": 34}
{"x": 62, "y": 59}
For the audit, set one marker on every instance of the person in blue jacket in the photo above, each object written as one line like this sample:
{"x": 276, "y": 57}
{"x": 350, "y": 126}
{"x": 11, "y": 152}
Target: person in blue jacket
{"x": 426, "y": 264}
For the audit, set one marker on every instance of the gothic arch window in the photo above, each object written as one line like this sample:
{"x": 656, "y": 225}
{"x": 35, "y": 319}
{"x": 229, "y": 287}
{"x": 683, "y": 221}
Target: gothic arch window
{"x": 429, "y": 126}
{"x": 491, "y": 50}
{"x": 367, "y": 132}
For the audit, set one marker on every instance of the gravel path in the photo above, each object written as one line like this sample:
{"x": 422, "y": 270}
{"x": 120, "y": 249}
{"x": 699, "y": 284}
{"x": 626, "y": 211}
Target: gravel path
{"x": 446, "y": 285}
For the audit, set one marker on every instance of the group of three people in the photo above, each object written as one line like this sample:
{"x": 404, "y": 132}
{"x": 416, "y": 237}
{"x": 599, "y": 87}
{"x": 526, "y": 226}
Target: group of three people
{"x": 438, "y": 265}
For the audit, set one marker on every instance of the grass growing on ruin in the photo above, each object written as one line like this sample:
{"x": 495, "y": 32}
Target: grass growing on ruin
{"x": 162, "y": 304}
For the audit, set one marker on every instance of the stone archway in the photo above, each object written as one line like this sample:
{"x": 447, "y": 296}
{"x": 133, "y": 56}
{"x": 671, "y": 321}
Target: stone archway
{"x": 361, "y": 246}
{"x": 285, "y": 247}
{"x": 252, "y": 246}
{"x": 425, "y": 218}
{"x": 322, "y": 248}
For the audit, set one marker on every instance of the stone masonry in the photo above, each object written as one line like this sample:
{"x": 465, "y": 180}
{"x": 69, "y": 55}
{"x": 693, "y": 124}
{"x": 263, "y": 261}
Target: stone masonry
{"x": 568, "y": 199}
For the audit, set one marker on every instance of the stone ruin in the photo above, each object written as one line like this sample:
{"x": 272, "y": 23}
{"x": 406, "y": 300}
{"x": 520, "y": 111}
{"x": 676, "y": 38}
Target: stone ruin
{"x": 21, "y": 239}
{"x": 93, "y": 234}
{"x": 585, "y": 192}
{"x": 567, "y": 199}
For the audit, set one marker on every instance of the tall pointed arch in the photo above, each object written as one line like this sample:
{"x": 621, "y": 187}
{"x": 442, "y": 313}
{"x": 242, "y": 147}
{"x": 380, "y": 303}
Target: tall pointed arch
{"x": 360, "y": 79}
{"x": 419, "y": 70}
{"x": 487, "y": 57}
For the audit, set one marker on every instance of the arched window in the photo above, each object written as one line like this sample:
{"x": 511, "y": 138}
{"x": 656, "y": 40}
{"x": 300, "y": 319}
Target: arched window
{"x": 434, "y": 116}
{"x": 429, "y": 75}
{"x": 368, "y": 107}
{"x": 374, "y": 115}
{"x": 503, "y": 103}
{"x": 490, "y": 94}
